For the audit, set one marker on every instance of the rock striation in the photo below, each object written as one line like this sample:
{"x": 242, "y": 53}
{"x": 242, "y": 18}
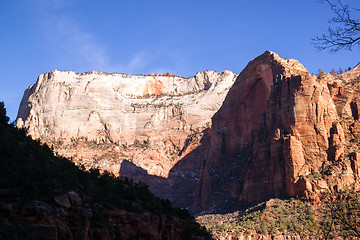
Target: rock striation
{"x": 282, "y": 132}
{"x": 121, "y": 123}
{"x": 43, "y": 196}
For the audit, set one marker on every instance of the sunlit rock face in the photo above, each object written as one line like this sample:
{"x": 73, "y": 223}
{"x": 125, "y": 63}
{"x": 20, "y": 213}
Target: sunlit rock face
{"x": 101, "y": 120}
{"x": 282, "y": 132}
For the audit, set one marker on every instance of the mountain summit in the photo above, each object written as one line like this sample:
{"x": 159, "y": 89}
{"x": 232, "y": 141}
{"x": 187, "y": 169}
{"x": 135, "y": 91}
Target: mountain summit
{"x": 280, "y": 131}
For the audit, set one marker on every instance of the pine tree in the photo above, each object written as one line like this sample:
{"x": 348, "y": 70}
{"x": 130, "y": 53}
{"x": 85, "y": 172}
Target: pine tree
{"x": 333, "y": 72}
{"x": 3, "y": 117}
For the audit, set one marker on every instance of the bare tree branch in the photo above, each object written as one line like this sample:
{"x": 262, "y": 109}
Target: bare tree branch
{"x": 345, "y": 36}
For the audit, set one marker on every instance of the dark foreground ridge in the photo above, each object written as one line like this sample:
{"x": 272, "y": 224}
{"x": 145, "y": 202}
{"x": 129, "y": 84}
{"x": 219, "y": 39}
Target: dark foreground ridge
{"x": 43, "y": 196}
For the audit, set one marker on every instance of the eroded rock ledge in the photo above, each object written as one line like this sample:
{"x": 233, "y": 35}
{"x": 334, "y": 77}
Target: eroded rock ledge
{"x": 135, "y": 125}
{"x": 282, "y": 132}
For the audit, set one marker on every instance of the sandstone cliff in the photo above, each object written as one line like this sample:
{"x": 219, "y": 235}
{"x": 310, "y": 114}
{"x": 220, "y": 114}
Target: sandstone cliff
{"x": 141, "y": 126}
{"x": 282, "y": 132}
{"x": 47, "y": 197}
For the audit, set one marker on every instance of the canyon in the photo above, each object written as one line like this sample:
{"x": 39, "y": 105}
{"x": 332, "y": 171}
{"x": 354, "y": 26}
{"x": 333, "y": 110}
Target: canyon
{"x": 215, "y": 142}
{"x": 282, "y": 132}
{"x": 43, "y": 196}
{"x": 131, "y": 125}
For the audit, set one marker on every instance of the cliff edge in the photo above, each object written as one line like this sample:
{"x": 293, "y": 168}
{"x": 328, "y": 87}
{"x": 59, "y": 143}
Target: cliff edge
{"x": 282, "y": 132}
{"x": 279, "y": 132}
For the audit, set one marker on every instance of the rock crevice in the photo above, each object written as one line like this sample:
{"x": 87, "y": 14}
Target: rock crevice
{"x": 280, "y": 131}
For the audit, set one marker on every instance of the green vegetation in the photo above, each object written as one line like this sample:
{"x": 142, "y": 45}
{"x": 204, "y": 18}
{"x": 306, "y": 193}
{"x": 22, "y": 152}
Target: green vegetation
{"x": 333, "y": 71}
{"x": 3, "y": 118}
{"x": 341, "y": 215}
{"x": 143, "y": 144}
{"x": 275, "y": 217}
{"x": 30, "y": 171}
{"x": 337, "y": 216}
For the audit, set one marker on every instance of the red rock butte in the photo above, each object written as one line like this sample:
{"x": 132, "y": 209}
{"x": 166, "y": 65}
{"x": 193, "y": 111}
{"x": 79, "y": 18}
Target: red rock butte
{"x": 279, "y": 132}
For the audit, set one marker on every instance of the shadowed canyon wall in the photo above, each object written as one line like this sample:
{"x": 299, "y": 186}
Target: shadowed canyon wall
{"x": 279, "y": 132}
{"x": 282, "y": 132}
{"x": 153, "y": 122}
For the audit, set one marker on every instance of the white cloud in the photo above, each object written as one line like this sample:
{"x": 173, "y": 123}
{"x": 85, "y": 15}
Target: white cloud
{"x": 135, "y": 64}
{"x": 74, "y": 42}
{"x": 141, "y": 62}
{"x": 77, "y": 47}
{"x": 46, "y": 4}
{"x": 58, "y": 3}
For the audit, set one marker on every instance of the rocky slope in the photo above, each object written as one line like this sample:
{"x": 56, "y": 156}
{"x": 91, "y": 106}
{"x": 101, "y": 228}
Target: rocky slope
{"x": 148, "y": 122}
{"x": 336, "y": 218}
{"x": 47, "y": 197}
{"x": 282, "y": 132}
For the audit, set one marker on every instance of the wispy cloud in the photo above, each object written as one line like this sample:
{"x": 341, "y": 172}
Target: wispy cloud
{"x": 134, "y": 64}
{"x": 140, "y": 62}
{"x": 76, "y": 45}
{"x": 51, "y": 3}
{"x": 58, "y": 3}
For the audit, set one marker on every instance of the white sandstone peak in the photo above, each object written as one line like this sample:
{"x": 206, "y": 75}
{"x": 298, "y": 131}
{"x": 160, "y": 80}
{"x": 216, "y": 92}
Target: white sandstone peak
{"x": 120, "y": 109}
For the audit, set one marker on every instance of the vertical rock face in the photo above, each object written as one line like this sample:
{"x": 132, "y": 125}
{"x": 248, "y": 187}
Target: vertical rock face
{"x": 148, "y": 122}
{"x": 117, "y": 107}
{"x": 281, "y": 132}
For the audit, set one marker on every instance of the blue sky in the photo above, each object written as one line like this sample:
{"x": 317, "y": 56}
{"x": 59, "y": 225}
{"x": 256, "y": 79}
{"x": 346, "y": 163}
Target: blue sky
{"x": 147, "y": 36}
